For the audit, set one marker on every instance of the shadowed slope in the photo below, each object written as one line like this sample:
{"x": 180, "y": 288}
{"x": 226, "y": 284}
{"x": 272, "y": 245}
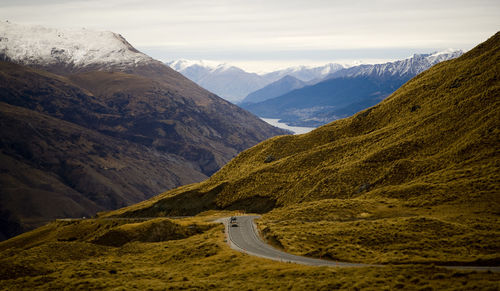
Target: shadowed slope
{"x": 52, "y": 168}
{"x": 275, "y": 89}
{"x": 152, "y": 110}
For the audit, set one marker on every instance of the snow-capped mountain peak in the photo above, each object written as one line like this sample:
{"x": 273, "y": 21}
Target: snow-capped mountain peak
{"x": 234, "y": 84}
{"x": 183, "y": 64}
{"x": 407, "y": 67}
{"x": 438, "y": 57}
{"x": 305, "y": 73}
{"x": 210, "y": 66}
{"x": 221, "y": 68}
{"x": 38, "y": 45}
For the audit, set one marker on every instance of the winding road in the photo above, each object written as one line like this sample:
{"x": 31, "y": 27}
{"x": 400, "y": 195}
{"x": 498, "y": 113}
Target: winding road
{"x": 245, "y": 238}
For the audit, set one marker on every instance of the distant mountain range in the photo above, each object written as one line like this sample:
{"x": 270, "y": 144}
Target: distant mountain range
{"x": 305, "y": 73}
{"x": 275, "y": 89}
{"x": 244, "y": 88}
{"x": 229, "y": 82}
{"x": 341, "y": 93}
{"x": 89, "y": 123}
{"x": 401, "y": 69}
{"x": 234, "y": 84}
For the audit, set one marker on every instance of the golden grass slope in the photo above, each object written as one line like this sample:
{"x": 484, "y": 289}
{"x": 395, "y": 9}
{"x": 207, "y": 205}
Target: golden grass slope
{"x": 374, "y": 231}
{"x": 414, "y": 179}
{"x": 64, "y": 255}
{"x": 433, "y": 141}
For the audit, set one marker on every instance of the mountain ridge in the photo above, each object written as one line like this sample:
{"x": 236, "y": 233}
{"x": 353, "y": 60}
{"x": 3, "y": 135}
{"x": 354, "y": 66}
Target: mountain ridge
{"x": 411, "y": 66}
{"x": 77, "y": 48}
{"x": 345, "y": 92}
{"x": 227, "y": 81}
{"x": 234, "y": 84}
{"x": 306, "y": 73}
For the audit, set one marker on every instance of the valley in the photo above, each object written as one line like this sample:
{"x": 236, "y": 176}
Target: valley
{"x": 120, "y": 171}
{"x": 408, "y": 181}
{"x": 310, "y": 96}
{"x": 87, "y": 129}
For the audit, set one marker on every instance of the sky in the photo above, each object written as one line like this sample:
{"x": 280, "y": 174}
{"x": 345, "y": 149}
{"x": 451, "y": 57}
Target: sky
{"x": 262, "y": 35}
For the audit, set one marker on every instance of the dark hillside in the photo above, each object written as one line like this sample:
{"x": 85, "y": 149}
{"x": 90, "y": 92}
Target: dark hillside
{"x": 152, "y": 130}
{"x": 52, "y": 169}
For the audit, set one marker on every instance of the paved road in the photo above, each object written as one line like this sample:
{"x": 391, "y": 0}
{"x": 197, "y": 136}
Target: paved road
{"x": 245, "y": 238}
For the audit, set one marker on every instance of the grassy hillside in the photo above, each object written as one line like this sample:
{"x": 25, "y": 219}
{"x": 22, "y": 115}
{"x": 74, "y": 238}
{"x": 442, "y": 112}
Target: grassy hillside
{"x": 425, "y": 160}
{"x": 411, "y": 183}
{"x": 191, "y": 254}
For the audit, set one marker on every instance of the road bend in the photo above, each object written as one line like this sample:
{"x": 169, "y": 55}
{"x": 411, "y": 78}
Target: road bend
{"x": 245, "y": 238}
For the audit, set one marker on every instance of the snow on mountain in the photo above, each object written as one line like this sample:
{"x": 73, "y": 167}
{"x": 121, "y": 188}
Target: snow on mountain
{"x": 305, "y": 73}
{"x": 38, "y": 45}
{"x": 229, "y": 82}
{"x": 183, "y": 64}
{"x": 344, "y": 92}
{"x": 234, "y": 84}
{"x": 411, "y": 66}
{"x": 208, "y": 66}
{"x": 448, "y": 54}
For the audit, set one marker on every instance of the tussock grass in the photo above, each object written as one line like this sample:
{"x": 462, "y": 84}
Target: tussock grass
{"x": 446, "y": 150}
{"x": 412, "y": 179}
{"x": 365, "y": 231}
{"x": 200, "y": 261}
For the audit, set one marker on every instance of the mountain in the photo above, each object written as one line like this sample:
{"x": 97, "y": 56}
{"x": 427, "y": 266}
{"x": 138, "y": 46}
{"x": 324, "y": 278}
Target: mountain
{"x": 64, "y": 51}
{"x": 305, "y": 73}
{"x": 234, "y": 84}
{"x": 275, "y": 89}
{"x": 406, "y": 68}
{"x": 229, "y": 82}
{"x": 194, "y": 70}
{"x": 51, "y": 168}
{"x": 346, "y": 91}
{"x": 86, "y": 117}
{"x": 326, "y": 101}
{"x": 410, "y": 185}
{"x": 410, "y": 180}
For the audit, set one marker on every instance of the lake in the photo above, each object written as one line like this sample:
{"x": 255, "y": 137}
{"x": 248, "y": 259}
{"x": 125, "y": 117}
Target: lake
{"x": 295, "y": 129}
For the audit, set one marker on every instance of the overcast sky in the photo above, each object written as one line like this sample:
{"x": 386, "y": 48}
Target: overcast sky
{"x": 262, "y": 34}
